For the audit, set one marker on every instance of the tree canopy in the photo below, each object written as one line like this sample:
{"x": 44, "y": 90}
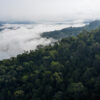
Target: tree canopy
{"x": 68, "y": 70}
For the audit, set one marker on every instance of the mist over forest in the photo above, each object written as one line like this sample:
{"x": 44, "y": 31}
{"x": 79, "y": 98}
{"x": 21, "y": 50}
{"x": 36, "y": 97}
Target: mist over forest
{"x": 49, "y": 49}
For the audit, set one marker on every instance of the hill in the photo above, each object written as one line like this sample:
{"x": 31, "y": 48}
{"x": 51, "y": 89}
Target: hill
{"x": 71, "y": 31}
{"x": 67, "y": 70}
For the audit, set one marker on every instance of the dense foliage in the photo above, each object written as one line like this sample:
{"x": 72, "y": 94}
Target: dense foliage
{"x": 71, "y": 31}
{"x": 67, "y": 70}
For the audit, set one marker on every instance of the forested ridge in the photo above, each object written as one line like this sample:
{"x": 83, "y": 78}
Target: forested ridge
{"x": 67, "y": 70}
{"x": 71, "y": 31}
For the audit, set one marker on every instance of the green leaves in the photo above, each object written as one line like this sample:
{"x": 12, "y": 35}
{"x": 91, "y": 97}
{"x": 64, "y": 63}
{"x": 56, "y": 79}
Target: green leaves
{"x": 67, "y": 70}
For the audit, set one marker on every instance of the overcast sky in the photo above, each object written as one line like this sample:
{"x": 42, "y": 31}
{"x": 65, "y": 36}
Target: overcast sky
{"x": 34, "y": 10}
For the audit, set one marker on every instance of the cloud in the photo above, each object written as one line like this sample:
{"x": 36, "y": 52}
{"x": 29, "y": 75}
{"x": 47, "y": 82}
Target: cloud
{"x": 26, "y": 37}
{"x": 16, "y": 39}
{"x": 49, "y": 9}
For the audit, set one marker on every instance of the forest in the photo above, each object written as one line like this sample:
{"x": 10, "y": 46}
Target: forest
{"x": 66, "y": 70}
{"x": 71, "y": 31}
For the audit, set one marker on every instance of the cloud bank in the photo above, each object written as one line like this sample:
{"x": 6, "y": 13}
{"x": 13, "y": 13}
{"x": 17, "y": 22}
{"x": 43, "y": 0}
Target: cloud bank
{"x": 15, "y": 38}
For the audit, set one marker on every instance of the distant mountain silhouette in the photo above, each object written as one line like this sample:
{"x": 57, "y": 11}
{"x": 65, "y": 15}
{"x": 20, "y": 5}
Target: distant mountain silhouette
{"x": 17, "y": 22}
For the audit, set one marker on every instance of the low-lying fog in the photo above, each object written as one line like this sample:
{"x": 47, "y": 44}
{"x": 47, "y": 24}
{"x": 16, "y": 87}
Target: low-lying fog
{"x": 17, "y": 38}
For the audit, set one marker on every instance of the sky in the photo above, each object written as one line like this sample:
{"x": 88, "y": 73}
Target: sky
{"x": 42, "y": 10}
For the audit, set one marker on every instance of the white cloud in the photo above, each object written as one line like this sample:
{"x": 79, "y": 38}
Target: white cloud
{"x": 23, "y": 38}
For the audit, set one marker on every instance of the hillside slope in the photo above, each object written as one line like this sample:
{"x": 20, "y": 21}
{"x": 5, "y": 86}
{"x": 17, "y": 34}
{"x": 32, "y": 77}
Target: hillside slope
{"x": 71, "y": 31}
{"x": 68, "y": 70}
